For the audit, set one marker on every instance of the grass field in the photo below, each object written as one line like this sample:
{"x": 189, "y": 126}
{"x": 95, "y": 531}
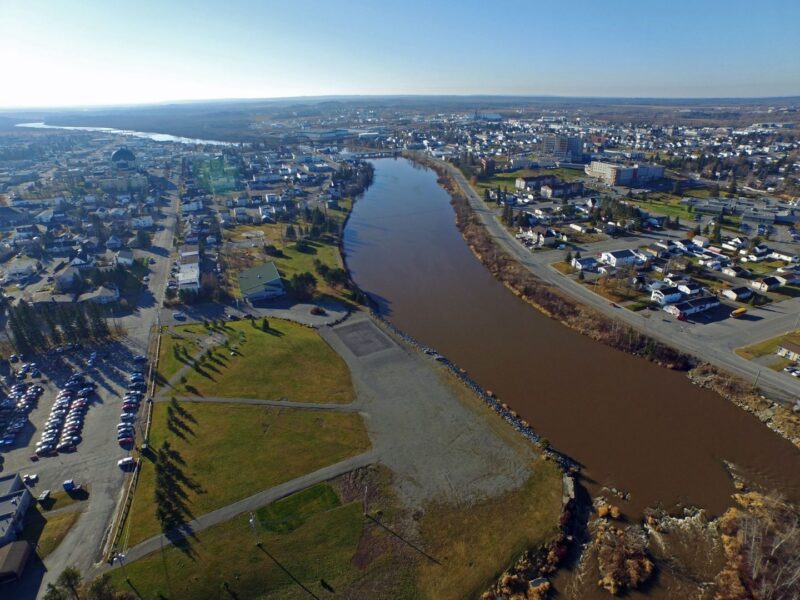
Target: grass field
{"x": 219, "y": 443}
{"x": 506, "y": 180}
{"x": 767, "y": 346}
{"x": 324, "y": 541}
{"x": 475, "y": 544}
{"x": 46, "y": 530}
{"x": 289, "y": 361}
{"x": 170, "y": 355}
{"x": 322, "y": 544}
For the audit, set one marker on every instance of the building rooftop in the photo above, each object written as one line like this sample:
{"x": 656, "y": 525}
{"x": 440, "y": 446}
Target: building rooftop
{"x": 253, "y": 280}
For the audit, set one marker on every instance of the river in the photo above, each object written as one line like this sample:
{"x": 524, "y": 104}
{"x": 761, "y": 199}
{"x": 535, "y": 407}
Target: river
{"x": 156, "y": 137}
{"x": 631, "y": 424}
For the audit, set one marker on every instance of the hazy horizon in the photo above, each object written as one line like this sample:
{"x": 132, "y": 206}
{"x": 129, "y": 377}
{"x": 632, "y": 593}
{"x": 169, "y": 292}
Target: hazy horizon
{"x": 60, "y": 55}
{"x": 344, "y": 97}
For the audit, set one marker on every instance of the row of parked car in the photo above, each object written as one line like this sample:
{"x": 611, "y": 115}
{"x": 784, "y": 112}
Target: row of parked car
{"x": 130, "y": 407}
{"x": 62, "y": 431}
{"x": 14, "y": 410}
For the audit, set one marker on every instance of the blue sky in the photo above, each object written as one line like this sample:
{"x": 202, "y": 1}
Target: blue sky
{"x": 61, "y": 53}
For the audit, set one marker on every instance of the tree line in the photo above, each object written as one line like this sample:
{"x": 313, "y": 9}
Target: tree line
{"x": 36, "y": 328}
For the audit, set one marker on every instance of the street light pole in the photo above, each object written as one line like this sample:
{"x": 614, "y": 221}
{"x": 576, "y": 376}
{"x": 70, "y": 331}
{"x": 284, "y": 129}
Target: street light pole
{"x": 252, "y": 522}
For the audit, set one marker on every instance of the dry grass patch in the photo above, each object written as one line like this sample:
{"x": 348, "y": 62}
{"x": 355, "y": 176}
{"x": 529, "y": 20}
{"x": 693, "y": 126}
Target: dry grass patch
{"x": 475, "y": 544}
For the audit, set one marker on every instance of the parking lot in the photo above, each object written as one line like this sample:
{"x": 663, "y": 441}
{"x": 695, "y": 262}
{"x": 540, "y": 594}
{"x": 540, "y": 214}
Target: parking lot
{"x": 71, "y": 430}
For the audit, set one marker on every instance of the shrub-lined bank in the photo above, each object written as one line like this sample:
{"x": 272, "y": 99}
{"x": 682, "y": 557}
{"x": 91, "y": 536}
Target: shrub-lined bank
{"x": 585, "y": 320}
{"x": 549, "y": 300}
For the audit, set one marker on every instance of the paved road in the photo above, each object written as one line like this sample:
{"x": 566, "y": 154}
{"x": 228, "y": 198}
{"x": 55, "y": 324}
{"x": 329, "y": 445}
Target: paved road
{"x": 713, "y": 342}
{"x": 353, "y": 407}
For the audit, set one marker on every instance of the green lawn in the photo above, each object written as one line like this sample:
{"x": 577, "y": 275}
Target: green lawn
{"x": 295, "y": 261}
{"x": 324, "y": 543}
{"x": 767, "y": 346}
{"x": 171, "y": 355}
{"x": 231, "y": 451}
{"x": 507, "y": 180}
{"x": 289, "y": 361}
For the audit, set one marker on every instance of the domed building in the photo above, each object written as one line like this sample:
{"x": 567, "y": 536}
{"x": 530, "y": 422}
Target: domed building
{"x": 123, "y": 159}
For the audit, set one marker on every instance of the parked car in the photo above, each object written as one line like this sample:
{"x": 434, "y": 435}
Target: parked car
{"x": 126, "y": 463}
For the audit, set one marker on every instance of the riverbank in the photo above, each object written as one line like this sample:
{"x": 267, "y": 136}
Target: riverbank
{"x": 530, "y": 570}
{"x": 558, "y": 305}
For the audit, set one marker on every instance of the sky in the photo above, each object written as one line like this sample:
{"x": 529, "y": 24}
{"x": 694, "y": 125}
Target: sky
{"x": 86, "y": 53}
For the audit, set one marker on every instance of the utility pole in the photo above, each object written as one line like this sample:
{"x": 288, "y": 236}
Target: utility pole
{"x": 252, "y": 522}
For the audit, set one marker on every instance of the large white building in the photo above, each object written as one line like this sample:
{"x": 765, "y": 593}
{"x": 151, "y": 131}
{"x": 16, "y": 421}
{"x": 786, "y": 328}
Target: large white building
{"x": 618, "y": 174}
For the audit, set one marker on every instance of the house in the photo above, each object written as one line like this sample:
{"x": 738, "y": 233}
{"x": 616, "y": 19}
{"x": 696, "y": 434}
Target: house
{"x": 691, "y": 288}
{"x": 67, "y": 280}
{"x": 188, "y": 250}
{"x": 113, "y": 243}
{"x": 83, "y": 261}
{"x": 124, "y": 258}
{"x": 692, "y": 307}
{"x": 666, "y": 295}
{"x": 11, "y": 217}
{"x": 784, "y": 256}
{"x": 105, "y": 294}
{"x": 20, "y": 269}
{"x": 188, "y": 276}
{"x": 261, "y": 282}
{"x": 766, "y": 284}
{"x": 14, "y": 502}
{"x": 734, "y": 271}
{"x": 762, "y": 250}
{"x": 789, "y": 350}
{"x": 700, "y": 240}
{"x": 739, "y": 294}
{"x": 619, "y": 258}
{"x": 144, "y": 222}
{"x": 586, "y": 263}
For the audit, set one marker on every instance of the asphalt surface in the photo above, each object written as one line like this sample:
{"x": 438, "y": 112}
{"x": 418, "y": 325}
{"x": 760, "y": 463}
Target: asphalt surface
{"x": 713, "y": 342}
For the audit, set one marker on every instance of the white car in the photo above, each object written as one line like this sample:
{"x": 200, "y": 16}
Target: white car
{"x": 126, "y": 463}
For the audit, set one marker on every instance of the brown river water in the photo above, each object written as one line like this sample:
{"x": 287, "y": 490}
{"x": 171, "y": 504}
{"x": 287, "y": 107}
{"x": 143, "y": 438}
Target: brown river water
{"x": 631, "y": 424}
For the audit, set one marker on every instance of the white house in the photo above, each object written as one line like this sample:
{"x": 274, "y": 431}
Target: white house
{"x": 619, "y": 258}
{"x": 738, "y": 294}
{"x": 123, "y": 258}
{"x": 666, "y": 295}
{"x": 585, "y": 263}
{"x": 766, "y": 284}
